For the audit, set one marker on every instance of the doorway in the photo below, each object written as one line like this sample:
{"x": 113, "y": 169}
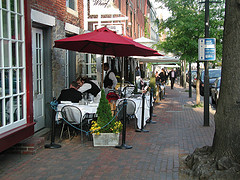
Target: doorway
{"x": 38, "y": 80}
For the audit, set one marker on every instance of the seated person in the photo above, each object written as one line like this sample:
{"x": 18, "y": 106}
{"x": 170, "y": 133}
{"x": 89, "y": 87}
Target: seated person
{"x": 145, "y": 88}
{"x": 90, "y": 87}
{"x": 72, "y": 94}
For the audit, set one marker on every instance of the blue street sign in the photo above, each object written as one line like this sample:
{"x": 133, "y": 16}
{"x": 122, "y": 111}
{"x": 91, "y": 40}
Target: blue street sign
{"x": 206, "y": 49}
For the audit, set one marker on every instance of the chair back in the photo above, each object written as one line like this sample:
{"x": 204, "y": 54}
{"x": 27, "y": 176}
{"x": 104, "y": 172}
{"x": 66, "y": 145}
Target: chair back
{"x": 72, "y": 114}
{"x": 112, "y": 96}
{"x": 128, "y": 91}
{"x": 131, "y": 108}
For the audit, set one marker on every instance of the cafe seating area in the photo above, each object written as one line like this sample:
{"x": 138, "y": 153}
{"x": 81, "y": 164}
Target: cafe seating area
{"x": 77, "y": 117}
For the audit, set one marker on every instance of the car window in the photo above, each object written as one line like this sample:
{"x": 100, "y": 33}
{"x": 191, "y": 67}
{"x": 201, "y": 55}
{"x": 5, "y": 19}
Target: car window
{"x": 214, "y": 73}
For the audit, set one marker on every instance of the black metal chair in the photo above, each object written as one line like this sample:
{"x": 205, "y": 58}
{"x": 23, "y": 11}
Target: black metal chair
{"x": 130, "y": 114}
{"x": 87, "y": 119}
{"x": 72, "y": 115}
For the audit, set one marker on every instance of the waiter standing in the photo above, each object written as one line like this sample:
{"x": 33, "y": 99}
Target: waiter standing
{"x": 110, "y": 80}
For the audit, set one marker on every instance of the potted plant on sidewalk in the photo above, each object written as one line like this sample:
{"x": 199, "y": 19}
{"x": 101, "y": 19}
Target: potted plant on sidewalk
{"x": 106, "y": 129}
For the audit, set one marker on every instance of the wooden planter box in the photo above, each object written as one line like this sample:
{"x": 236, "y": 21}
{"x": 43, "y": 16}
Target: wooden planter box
{"x": 106, "y": 139}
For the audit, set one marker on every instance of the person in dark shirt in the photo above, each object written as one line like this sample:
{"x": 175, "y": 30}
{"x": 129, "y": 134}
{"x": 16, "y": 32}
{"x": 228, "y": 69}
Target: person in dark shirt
{"x": 72, "y": 94}
{"x": 163, "y": 76}
{"x": 173, "y": 76}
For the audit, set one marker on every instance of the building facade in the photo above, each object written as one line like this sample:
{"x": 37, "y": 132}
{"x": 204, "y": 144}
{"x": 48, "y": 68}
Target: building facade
{"x": 32, "y": 71}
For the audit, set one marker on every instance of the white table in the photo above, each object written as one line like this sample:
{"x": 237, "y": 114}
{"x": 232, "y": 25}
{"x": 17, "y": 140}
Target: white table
{"x": 90, "y": 108}
{"x": 138, "y": 110}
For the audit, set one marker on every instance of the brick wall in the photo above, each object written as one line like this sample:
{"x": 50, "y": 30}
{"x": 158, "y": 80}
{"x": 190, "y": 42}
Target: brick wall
{"x": 28, "y": 146}
{"x": 58, "y": 9}
{"x": 139, "y": 16}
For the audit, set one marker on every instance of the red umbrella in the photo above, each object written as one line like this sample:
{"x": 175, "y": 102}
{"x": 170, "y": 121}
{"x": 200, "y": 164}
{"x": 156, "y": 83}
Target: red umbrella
{"x": 106, "y": 42}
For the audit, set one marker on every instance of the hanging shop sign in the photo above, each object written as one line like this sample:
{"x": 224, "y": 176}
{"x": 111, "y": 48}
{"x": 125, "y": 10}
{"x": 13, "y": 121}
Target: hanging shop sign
{"x": 103, "y": 7}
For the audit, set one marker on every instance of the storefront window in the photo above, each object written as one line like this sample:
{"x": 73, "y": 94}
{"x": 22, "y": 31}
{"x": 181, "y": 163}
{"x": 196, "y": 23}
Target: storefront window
{"x": 1, "y": 114}
{"x": 91, "y": 66}
{"x": 12, "y": 65}
{"x": 5, "y": 23}
{"x": 66, "y": 65}
{"x": 4, "y": 4}
{"x": 6, "y": 53}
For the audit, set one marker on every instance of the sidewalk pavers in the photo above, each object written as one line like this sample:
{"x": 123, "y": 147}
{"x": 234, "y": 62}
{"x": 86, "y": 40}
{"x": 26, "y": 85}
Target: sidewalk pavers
{"x": 155, "y": 155}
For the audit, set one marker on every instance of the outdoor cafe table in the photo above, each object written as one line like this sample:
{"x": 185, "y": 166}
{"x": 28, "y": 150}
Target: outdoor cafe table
{"x": 90, "y": 108}
{"x": 138, "y": 110}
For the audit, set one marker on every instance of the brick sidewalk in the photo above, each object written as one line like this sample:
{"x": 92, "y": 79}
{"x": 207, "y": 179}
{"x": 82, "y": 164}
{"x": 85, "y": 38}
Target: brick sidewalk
{"x": 155, "y": 155}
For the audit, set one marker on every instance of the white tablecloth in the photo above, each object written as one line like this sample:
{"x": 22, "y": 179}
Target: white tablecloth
{"x": 90, "y": 108}
{"x": 138, "y": 111}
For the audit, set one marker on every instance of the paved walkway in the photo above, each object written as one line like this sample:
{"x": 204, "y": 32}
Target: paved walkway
{"x": 155, "y": 155}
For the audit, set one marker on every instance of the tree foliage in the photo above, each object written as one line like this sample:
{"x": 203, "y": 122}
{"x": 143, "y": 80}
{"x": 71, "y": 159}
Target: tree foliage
{"x": 186, "y": 26}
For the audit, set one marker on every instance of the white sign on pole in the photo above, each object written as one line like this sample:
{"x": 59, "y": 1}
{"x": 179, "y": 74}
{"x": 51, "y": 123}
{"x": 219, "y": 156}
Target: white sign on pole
{"x": 116, "y": 28}
{"x": 206, "y": 49}
{"x": 103, "y": 7}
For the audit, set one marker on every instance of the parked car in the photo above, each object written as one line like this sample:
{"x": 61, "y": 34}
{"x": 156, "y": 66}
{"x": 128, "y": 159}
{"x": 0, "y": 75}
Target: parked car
{"x": 213, "y": 75}
{"x": 215, "y": 91}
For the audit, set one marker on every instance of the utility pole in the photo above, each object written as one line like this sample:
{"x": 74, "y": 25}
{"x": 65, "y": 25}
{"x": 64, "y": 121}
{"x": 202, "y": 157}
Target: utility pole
{"x": 190, "y": 79}
{"x": 206, "y": 75}
{"x": 206, "y": 72}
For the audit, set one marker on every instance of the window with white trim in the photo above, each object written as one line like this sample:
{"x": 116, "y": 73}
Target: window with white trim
{"x": 71, "y": 4}
{"x": 72, "y": 7}
{"x": 12, "y": 65}
{"x": 91, "y": 66}
{"x": 66, "y": 77}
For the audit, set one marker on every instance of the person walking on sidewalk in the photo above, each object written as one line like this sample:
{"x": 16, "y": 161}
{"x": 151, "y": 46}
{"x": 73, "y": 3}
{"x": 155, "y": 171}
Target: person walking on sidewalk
{"x": 173, "y": 76}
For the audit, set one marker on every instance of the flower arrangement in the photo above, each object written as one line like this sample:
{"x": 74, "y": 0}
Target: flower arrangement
{"x": 95, "y": 128}
{"x": 104, "y": 116}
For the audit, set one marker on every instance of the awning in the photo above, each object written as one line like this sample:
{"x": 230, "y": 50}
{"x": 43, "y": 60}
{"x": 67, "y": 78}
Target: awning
{"x": 157, "y": 59}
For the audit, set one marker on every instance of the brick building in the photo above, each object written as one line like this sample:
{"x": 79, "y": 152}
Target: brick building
{"x": 32, "y": 71}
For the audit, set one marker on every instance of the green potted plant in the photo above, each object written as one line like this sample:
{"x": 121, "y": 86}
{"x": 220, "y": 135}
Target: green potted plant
{"x": 106, "y": 129}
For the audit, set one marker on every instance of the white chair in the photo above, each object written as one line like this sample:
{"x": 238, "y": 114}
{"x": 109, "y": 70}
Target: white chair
{"x": 130, "y": 110}
{"x": 128, "y": 90}
{"x": 72, "y": 115}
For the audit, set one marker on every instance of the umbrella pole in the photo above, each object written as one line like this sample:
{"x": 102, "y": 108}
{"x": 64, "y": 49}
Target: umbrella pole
{"x": 121, "y": 75}
{"x": 102, "y": 70}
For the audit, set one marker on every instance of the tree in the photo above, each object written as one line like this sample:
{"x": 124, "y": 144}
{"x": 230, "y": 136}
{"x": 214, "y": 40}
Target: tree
{"x": 186, "y": 26}
{"x": 224, "y": 155}
{"x": 227, "y": 134}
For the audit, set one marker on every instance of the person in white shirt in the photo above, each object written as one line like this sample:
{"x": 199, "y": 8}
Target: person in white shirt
{"x": 110, "y": 80}
{"x": 89, "y": 86}
{"x": 138, "y": 77}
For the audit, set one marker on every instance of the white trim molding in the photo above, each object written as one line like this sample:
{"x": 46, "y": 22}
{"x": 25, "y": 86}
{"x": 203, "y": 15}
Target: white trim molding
{"x": 72, "y": 28}
{"x": 42, "y": 18}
